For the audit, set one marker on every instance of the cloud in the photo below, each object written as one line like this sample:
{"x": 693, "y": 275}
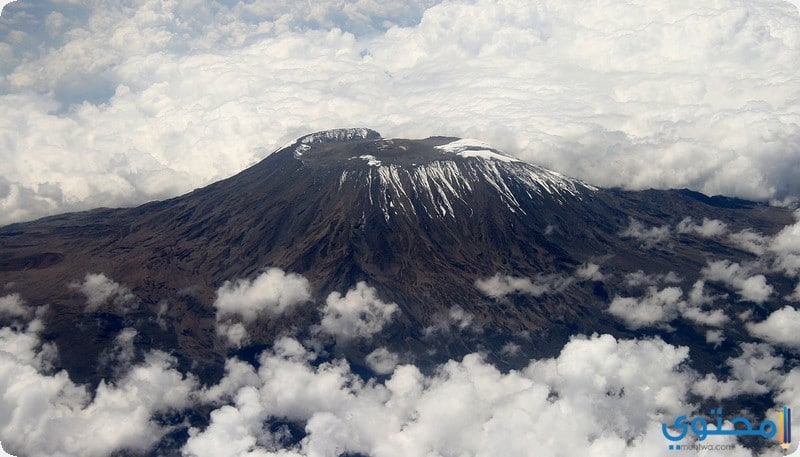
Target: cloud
{"x": 785, "y": 246}
{"x": 589, "y": 272}
{"x": 752, "y": 372}
{"x": 501, "y": 285}
{"x": 780, "y": 328}
{"x": 108, "y": 104}
{"x": 237, "y": 375}
{"x": 272, "y": 293}
{"x": 640, "y": 278}
{"x": 697, "y": 300}
{"x": 649, "y": 237}
{"x": 99, "y": 290}
{"x": 714, "y": 318}
{"x": 657, "y": 307}
{"x": 359, "y": 313}
{"x": 382, "y": 361}
{"x": 456, "y": 319}
{"x": 3, "y": 453}
{"x": 714, "y": 337}
{"x": 606, "y": 394}
{"x": 510, "y": 349}
{"x": 750, "y": 287}
{"x": 789, "y": 387}
{"x": 120, "y": 356}
{"x": 233, "y": 429}
{"x": 235, "y": 333}
{"x": 3, "y": 3}
{"x": 460, "y": 318}
{"x": 44, "y": 413}
{"x": 795, "y": 296}
{"x": 13, "y": 306}
{"x": 750, "y": 241}
{"x": 778, "y": 253}
{"x": 710, "y": 228}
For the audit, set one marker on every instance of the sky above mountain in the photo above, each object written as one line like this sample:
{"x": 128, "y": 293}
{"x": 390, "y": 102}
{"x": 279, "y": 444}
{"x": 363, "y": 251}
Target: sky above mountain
{"x": 115, "y": 103}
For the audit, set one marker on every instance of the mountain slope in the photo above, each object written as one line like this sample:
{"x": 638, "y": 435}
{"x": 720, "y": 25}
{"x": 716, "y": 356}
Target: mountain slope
{"x": 424, "y": 222}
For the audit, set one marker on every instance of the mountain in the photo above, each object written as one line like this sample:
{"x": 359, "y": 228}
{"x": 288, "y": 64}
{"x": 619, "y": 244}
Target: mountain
{"x": 441, "y": 227}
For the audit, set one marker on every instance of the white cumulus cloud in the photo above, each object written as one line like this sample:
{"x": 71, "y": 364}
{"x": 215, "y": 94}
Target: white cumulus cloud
{"x": 457, "y": 319}
{"x": 241, "y": 302}
{"x": 785, "y": 246}
{"x": 358, "y": 313}
{"x": 606, "y": 394}
{"x": 649, "y": 237}
{"x": 100, "y": 290}
{"x": 46, "y": 414}
{"x": 715, "y": 337}
{"x": 501, "y": 285}
{"x": 795, "y": 296}
{"x": 13, "y": 306}
{"x": 270, "y": 294}
{"x": 751, "y": 372}
{"x": 656, "y": 307}
{"x": 751, "y": 287}
{"x": 382, "y": 361}
{"x": 709, "y": 228}
{"x": 780, "y": 327}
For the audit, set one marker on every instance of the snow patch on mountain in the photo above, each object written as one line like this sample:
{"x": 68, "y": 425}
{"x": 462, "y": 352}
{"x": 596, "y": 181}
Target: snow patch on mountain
{"x": 438, "y": 188}
{"x": 339, "y": 135}
{"x": 301, "y": 149}
{"x": 475, "y": 148}
{"x": 371, "y": 160}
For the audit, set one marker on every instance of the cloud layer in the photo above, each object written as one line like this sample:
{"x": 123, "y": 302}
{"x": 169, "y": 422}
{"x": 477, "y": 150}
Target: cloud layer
{"x": 609, "y": 389}
{"x": 46, "y": 414}
{"x": 105, "y": 103}
{"x": 606, "y": 394}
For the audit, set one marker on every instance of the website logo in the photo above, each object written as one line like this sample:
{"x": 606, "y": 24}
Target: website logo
{"x": 741, "y": 426}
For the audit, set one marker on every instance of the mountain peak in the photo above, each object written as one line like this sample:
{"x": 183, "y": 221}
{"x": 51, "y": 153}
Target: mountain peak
{"x": 335, "y": 136}
{"x": 341, "y": 144}
{"x": 437, "y": 176}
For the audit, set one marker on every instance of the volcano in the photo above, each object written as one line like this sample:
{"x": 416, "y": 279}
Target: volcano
{"x": 440, "y": 227}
